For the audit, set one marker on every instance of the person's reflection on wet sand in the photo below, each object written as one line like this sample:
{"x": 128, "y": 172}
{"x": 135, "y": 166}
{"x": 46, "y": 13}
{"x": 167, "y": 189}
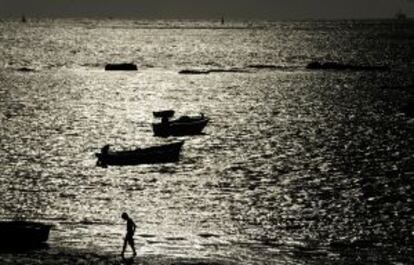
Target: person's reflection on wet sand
{"x": 127, "y": 261}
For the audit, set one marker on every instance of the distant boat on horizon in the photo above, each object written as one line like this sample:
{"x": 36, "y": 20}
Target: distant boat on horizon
{"x": 400, "y": 15}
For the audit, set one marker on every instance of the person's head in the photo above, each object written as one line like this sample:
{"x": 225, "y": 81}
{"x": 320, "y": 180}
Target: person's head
{"x": 124, "y": 216}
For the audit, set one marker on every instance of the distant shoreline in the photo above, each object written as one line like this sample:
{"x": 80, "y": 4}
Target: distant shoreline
{"x": 218, "y": 19}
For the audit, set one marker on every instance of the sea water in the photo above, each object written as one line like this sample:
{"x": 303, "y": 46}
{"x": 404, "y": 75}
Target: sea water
{"x": 295, "y": 167}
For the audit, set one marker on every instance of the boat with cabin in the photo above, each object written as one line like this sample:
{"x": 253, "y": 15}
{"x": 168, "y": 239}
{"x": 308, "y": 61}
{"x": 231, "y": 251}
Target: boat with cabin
{"x": 184, "y": 125}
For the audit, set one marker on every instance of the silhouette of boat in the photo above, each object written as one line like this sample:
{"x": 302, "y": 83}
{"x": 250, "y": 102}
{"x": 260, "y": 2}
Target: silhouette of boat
{"x": 167, "y": 153}
{"x": 164, "y": 113}
{"x": 23, "y": 234}
{"x": 121, "y": 67}
{"x": 400, "y": 15}
{"x": 315, "y": 65}
{"x": 185, "y": 125}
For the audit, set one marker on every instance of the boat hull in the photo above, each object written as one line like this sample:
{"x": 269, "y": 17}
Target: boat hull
{"x": 168, "y": 153}
{"x": 179, "y": 128}
{"x": 22, "y": 234}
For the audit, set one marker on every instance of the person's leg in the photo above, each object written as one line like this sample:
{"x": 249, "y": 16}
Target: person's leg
{"x": 124, "y": 247}
{"x": 132, "y": 244}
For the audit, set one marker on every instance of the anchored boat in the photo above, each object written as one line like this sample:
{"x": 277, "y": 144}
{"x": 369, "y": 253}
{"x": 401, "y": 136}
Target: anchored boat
{"x": 185, "y": 125}
{"x": 167, "y": 153}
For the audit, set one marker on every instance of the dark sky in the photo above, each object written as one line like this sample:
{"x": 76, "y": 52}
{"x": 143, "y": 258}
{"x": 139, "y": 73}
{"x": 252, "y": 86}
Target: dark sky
{"x": 242, "y": 9}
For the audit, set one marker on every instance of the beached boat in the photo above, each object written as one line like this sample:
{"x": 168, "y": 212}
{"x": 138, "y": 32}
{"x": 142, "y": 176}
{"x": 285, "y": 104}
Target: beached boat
{"x": 22, "y": 234}
{"x": 167, "y": 153}
{"x": 185, "y": 125}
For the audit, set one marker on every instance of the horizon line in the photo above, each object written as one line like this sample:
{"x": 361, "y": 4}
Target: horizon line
{"x": 229, "y": 18}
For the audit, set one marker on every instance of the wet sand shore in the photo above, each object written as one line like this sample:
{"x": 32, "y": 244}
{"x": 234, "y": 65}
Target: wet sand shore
{"x": 76, "y": 257}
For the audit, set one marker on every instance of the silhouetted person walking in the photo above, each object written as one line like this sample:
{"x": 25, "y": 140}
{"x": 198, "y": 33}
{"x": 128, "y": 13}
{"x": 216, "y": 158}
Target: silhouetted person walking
{"x": 129, "y": 238}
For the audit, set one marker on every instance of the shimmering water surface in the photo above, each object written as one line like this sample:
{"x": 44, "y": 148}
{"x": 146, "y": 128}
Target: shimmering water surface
{"x": 296, "y": 166}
